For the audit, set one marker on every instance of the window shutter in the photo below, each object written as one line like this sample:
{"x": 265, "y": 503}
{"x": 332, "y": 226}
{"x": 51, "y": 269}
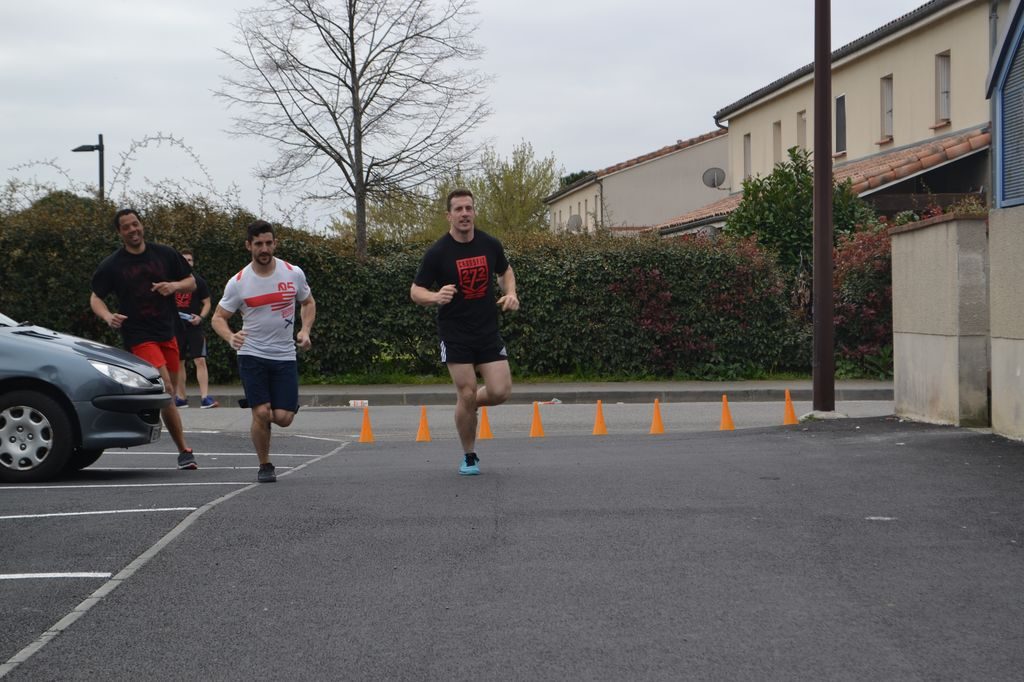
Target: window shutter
{"x": 886, "y": 107}
{"x": 747, "y": 160}
{"x": 1012, "y": 132}
{"x": 841, "y": 123}
{"x": 942, "y": 87}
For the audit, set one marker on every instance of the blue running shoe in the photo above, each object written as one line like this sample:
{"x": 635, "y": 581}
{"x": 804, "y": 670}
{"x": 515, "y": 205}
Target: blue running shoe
{"x": 471, "y": 465}
{"x": 180, "y": 403}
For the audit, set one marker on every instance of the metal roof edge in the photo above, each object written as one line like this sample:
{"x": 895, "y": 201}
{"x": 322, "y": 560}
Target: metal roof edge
{"x": 568, "y": 189}
{"x": 909, "y": 19}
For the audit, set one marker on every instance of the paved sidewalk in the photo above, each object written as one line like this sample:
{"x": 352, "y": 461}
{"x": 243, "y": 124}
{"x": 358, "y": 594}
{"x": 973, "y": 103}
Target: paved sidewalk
{"x": 581, "y": 392}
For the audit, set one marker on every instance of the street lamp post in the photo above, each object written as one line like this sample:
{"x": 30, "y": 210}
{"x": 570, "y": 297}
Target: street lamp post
{"x": 94, "y": 148}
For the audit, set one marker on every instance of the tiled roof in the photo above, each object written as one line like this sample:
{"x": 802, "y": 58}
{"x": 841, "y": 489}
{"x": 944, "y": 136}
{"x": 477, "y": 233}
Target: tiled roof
{"x": 722, "y": 207}
{"x": 882, "y": 169}
{"x": 867, "y": 174}
{"x": 679, "y": 145}
{"x": 629, "y": 230}
{"x": 894, "y": 26}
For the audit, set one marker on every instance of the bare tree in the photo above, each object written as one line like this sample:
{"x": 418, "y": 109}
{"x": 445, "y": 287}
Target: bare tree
{"x": 360, "y": 97}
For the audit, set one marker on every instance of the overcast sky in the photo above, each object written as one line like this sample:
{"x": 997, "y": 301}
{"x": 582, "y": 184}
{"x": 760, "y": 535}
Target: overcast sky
{"x": 592, "y": 82}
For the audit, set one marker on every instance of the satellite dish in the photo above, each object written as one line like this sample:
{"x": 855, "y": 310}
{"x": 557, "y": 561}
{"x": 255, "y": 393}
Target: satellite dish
{"x": 713, "y": 177}
{"x": 575, "y": 223}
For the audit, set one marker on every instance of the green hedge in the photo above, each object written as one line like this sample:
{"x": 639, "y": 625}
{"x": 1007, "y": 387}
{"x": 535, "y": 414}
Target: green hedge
{"x": 590, "y": 306}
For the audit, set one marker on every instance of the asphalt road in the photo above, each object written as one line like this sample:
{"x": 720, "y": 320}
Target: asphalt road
{"x": 846, "y": 549}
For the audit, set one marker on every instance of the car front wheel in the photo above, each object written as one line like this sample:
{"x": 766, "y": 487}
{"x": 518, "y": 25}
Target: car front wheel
{"x": 35, "y": 437}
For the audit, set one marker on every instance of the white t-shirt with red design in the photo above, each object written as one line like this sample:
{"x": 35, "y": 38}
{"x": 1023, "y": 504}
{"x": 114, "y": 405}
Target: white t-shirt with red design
{"x": 269, "y": 311}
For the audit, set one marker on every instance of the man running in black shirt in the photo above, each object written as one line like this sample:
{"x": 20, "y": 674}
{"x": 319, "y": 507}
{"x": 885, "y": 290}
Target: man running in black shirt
{"x": 463, "y": 263}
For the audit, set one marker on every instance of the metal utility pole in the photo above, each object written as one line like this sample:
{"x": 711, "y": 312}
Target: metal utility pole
{"x": 823, "y": 364}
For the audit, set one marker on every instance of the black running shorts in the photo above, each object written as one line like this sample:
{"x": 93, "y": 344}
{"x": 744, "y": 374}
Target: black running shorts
{"x": 477, "y": 354}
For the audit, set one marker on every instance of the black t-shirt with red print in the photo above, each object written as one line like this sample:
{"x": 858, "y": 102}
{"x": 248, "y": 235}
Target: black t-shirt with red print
{"x": 192, "y": 301}
{"x": 130, "y": 277}
{"x": 472, "y": 315}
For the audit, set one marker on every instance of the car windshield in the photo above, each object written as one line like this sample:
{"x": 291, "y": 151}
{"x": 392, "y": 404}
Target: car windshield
{"x": 6, "y": 321}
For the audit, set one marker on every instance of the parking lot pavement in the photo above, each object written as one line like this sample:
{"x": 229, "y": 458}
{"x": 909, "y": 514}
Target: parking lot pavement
{"x": 66, "y": 539}
{"x": 850, "y": 549}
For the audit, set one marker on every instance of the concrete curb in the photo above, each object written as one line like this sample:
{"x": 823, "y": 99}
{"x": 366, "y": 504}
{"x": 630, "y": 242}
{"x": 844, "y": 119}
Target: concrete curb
{"x": 440, "y": 394}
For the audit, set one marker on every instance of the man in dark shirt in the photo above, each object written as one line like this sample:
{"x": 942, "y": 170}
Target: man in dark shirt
{"x": 144, "y": 277}
{"x": 463, "y": 263}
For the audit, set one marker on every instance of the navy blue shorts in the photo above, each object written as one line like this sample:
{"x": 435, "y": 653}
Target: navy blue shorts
{"x": 477, "y": 354}
{"x": 270, "y": 381}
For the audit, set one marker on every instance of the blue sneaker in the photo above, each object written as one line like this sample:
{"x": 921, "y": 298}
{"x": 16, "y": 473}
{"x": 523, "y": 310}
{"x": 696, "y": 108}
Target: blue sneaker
{"x": 180, "y": 402}
{"x": 471, "y": 465}
{"x": 208, "y": 402}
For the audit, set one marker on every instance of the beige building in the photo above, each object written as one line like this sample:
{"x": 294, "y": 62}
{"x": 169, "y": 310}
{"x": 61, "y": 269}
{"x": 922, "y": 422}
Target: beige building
{"x": 897, "y": 92}
{"x": 643, "y": 191}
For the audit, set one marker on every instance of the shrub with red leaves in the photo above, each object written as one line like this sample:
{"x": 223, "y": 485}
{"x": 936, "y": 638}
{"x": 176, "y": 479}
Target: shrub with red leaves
{"x": 862, "y": 290}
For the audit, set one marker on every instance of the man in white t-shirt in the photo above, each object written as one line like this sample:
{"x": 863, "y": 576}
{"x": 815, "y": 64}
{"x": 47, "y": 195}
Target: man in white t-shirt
{"x": 266, "y": 291}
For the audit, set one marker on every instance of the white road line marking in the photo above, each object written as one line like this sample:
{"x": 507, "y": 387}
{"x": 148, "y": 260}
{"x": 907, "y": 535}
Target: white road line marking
{"x": 121, "y": 485}
{"x": 31, "y": 576}
{"x": 206, "y": 467}
{"x": 879, "y": 518}
{"x": 130, "y": 570}
{"x": 207, "y": 454}
{"x": 94, "y": 513}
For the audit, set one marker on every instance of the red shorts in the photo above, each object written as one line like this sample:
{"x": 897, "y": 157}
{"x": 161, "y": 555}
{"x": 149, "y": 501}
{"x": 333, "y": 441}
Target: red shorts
{"x": 159, "y": 353}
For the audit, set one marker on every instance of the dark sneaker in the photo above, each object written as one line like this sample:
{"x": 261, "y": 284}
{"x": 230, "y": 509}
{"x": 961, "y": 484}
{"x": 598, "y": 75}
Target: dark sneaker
{"x": 180, "y": 403}
{"x": 266, "y": 473}
{"x": 470, "y": 466}
{"x": 208, "y": 402}
{"x": 186, "y": 460}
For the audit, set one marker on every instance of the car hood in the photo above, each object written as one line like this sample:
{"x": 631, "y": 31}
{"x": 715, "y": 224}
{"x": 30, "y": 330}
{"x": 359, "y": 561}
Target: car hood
{"x": 34, "y": 336}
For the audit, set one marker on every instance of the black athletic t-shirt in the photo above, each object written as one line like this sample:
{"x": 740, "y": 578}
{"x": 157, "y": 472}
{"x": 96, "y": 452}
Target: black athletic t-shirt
{"x": 130, "y": 277}
{"x": 471, "y": 316}
{"x": 192, "y": 301}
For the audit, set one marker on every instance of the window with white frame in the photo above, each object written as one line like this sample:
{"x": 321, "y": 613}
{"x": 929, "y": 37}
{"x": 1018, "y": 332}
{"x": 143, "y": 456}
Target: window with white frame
{"x": 942, "y": 87}
{"x": 801, "y": 129}
{"x": 886, "y": 107}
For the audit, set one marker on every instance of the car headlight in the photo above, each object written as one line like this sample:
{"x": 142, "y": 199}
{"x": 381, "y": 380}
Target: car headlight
{"x": 123, "y": 376}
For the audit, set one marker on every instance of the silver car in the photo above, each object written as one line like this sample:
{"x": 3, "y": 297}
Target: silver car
{"x": 64, "y": 400}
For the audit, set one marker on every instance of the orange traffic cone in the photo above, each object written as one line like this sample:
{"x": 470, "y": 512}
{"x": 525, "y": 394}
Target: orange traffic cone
{"x": 536, "y": 428}
{"x": 790, "y": 415}
{"x": 726, "y": 424}
{"x": 599, "y": 427}
{"x": 656, "y": 425}
{"x": 366, "y": 435}
{"x": 423, "y": 435}
{"x": 485, "y": 426}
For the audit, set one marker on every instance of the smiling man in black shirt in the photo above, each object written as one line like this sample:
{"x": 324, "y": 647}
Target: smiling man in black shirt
{"x": 463, "y": 264}
{"x": 144, "y": 278}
